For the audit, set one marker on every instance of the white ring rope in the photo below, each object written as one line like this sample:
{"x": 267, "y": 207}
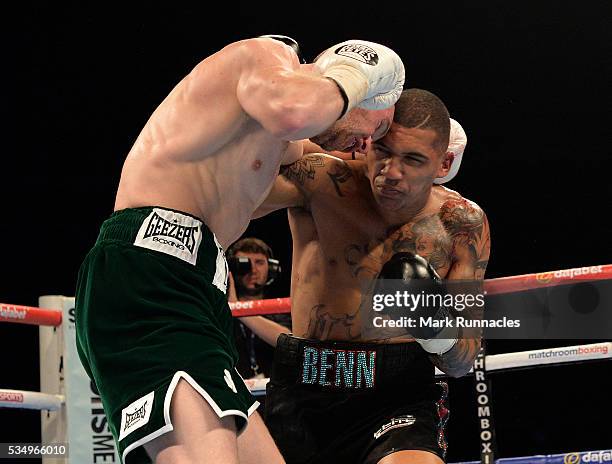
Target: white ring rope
{"x": 546, "y": 356}
{"x": 30, "y": 400}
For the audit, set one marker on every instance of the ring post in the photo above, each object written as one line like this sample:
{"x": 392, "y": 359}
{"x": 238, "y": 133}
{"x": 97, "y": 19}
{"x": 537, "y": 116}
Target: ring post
{"x": 81, "y": 421}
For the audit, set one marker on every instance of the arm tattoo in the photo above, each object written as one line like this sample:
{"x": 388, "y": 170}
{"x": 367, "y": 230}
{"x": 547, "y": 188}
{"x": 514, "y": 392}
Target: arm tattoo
{"x": 303, "y": 169}
{"x": 339, "y": 173}
{"x": 432, "y": 242}
{"x": 469, "y": 229}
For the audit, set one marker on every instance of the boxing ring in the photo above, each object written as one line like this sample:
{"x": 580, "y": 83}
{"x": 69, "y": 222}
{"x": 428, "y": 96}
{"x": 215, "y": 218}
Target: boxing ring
{"x": 71, "y": 409}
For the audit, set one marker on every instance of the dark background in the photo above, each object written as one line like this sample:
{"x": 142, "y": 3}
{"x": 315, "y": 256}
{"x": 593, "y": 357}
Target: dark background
{"x": 527, "y": 80}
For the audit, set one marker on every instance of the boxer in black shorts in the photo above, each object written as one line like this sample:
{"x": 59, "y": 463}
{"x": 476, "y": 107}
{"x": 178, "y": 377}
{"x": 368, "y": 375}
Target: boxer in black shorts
{"x": 354, "y": 223}
{"x": 354, "y": 402}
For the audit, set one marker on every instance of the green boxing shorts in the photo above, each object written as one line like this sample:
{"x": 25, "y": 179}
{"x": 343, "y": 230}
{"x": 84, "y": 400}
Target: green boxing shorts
{"x": 151, "y": 309}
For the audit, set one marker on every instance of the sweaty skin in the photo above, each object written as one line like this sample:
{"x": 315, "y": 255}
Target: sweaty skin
{"x": 342, "y": 236}
{"x": 215, "y": 144}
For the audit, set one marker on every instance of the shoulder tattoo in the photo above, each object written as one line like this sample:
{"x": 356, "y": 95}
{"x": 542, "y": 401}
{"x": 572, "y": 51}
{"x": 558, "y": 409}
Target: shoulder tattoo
{"x": 468, "y": 226}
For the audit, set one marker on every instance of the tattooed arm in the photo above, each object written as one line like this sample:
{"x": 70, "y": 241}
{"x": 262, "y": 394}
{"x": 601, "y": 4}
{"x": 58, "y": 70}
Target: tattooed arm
{"x": 469, "y": 230}
{"x": 294, "y": 184}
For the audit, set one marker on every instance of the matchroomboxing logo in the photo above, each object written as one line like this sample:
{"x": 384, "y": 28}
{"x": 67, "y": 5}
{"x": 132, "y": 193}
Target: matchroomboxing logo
{"x": 136, "y": 415}
{"x": 569, "y": 351}
{"x": 396, "y": 422}
{"x": 359, "y": 52}
{"x": 172, "y": 233}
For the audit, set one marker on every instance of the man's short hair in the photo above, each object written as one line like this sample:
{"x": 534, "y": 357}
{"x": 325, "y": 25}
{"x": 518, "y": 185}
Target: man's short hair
{"x": 418, "y": 108}
{"x": 250, "y": 245}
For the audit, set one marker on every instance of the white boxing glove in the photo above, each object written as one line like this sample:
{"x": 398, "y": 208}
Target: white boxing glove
{"x": 370, "y": 75}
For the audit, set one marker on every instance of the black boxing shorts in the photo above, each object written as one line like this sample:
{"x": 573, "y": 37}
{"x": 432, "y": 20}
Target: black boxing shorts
{"x": 346, "y": 402}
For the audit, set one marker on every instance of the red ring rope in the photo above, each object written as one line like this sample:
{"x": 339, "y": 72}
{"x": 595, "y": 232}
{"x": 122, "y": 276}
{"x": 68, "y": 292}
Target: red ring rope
{"x": 40, "y": 316}
{"x": 546, "y": 279}
{"x": 30, "y": 315}
{"x": 491, "y": 287}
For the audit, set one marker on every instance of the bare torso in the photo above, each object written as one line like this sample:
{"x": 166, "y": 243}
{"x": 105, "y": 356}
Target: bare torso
{"x": 202, "y": 154}
{"x": 340, "y": 243}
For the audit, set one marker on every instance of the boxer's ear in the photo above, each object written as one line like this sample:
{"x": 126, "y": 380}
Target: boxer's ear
{"x": 447, "y": 162}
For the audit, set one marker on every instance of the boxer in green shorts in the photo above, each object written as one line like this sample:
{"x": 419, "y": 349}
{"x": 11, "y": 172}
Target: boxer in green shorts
{"x": 153, "y": 324}
{"x": 160, "y": 317}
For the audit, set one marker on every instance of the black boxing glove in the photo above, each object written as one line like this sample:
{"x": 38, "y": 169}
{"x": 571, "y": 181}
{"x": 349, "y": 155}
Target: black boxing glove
{"x": 406, "y": 266}
{"x": 417, "y": 277}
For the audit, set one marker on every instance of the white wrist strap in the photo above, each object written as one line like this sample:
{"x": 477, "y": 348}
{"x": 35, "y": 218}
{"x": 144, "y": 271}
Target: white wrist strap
{"x": 352, "y": 81}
